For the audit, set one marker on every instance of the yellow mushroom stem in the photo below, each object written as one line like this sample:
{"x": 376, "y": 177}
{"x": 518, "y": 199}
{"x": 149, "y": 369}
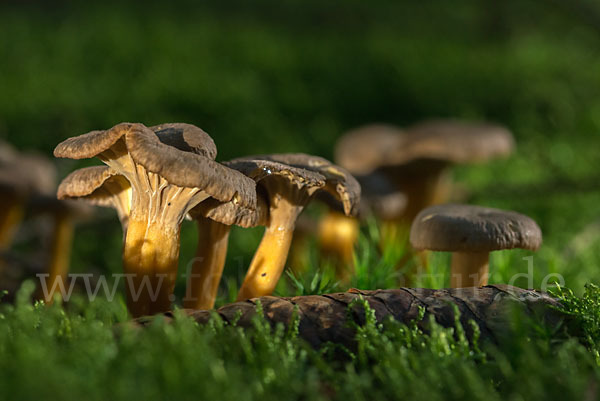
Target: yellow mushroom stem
{"x": 432, "y": 187}
{"x": 60, "y": 254}
{"x": 270, "y": 258}
{"x": 338, "y": 235}
{"x": 207, "y": 268}
{"x": 150, "y": 261}
{"x": 11, "y": 214}
{"x": 151, "y": 249}
{"x": 469, "y": 269}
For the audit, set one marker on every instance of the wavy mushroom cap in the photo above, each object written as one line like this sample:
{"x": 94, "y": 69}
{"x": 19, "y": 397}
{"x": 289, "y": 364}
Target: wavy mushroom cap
{"x": 455, "y": 142}
{"x": 91, "y": 183}
{"x": 306, "y": 171}
{"x": 467, "y": 228}
{"x": 369, "y": 148}
{"x": 230, "y": 213}
{"x": 362, "y": 150}
{"x": 186, "y": 137}
{"x": 175, "y": 152}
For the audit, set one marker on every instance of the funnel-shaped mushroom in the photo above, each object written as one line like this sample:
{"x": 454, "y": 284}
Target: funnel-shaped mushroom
{"x": 170, "y": 169}
{"x": 289, "y": 181}
{"x": 214, "y": 221}
{"x": 471, "y": 233}
{"x": 100, "y": 186}
{"x": 417, "y": 160}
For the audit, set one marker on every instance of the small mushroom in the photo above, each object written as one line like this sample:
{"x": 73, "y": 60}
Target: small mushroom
{"x": 170, "y": 169}
{"x": 471, "y": 233}
{"x": 214, "y": 221}
{"x": 288, "y": 181}
{"x": 99, "y": 186}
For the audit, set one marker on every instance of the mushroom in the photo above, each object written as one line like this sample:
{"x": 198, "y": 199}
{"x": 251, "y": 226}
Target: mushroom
{"x": 214, "y": 221}
{"x": 288, "y": 181}
{"x": 416, "y": 161}
{"x": 99, "y": 186}
{"x": 170, "y": 169}
{"x": 471, "y": 233}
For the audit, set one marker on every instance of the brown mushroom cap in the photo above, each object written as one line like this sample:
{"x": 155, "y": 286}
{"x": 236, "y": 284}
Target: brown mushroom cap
{"x": 166, "y": 159}
{"x": 455, "y": 142}
{"x": 89, "y": 183}
{"x": 369, "y": 148}
{"x": 28, "y": 173}
{"x": 229, "y": 213}
{"x": 186, "y": 137}
{"x": 304, "y": 171}
{"x": 362, "y": 150}
{"x": 467, "y": 228}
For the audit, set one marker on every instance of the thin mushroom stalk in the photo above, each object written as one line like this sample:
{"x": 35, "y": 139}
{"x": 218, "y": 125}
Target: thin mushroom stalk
{"x": 469, "y": 269}
{"x": 214, "y": 221}
{"x": 207, "y": 268}
{"x": 269, "y": 260}
{"x": 11, "y": 214}
{"x": 427, "y": 186}
{"x": 60, "y": 254}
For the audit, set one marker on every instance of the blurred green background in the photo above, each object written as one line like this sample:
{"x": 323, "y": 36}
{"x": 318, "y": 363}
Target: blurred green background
{"x": 292, "y": 76}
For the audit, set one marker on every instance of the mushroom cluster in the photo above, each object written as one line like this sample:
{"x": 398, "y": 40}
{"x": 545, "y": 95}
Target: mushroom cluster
{"x": 405, "y": 171}
{"x": 27, "y": 183}
{"x": 156, "y": 176}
